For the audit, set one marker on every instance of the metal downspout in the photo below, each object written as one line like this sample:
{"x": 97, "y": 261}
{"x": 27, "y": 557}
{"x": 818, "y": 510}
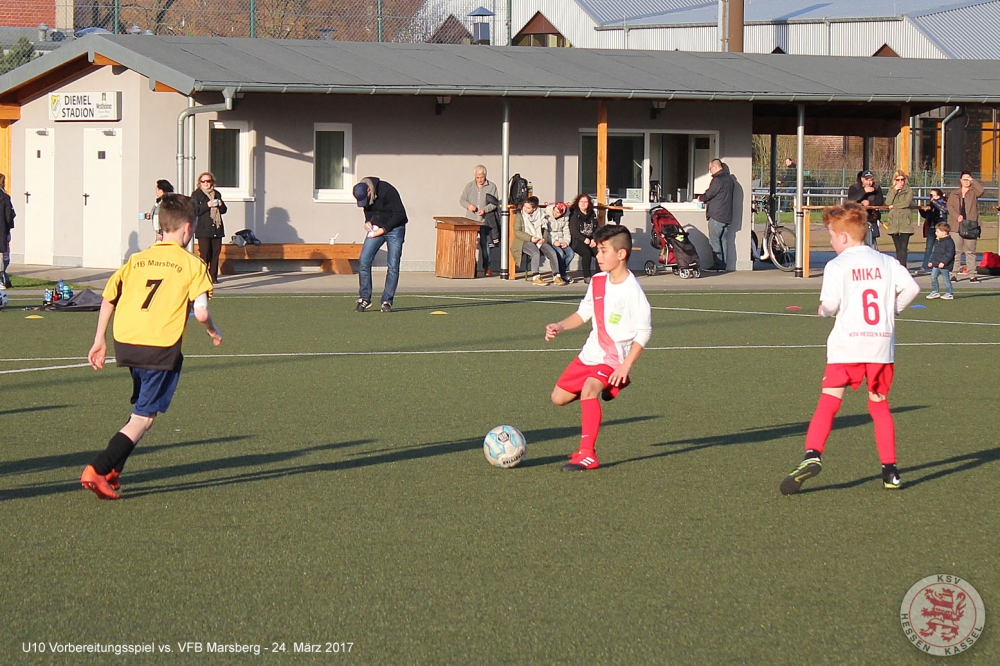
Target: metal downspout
{"x": 188, "y": 113}
{"x": 229, "y": 94}
{"x": 799, "y": 185}
{"x": 505, "y": 193}
{"x": 944, "y": 122}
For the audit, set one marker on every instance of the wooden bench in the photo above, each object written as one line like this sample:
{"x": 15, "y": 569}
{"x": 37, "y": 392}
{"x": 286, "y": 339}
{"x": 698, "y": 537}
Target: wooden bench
{"x": 333, "y": 258}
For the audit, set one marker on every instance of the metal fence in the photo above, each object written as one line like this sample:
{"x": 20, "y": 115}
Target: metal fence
{"x": 827, "y": 187}
{"x": 445, "y": 21}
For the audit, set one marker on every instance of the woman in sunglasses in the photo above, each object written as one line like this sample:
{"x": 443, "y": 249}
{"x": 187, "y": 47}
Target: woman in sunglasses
{"x": 209, "y": 230}
{"x": 899, "y": 223}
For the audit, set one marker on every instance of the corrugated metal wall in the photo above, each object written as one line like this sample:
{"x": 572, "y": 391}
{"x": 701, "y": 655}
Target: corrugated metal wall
{"x": 855, "y": 38}
{"x": 951, "y": 29}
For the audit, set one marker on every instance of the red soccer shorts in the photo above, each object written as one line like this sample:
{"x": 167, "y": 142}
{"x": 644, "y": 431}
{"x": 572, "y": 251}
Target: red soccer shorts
{"x": 578, "y": 372}
{"x": 878, "y": 375}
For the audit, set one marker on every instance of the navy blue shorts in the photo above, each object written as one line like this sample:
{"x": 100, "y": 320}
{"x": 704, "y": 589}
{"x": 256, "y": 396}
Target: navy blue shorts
{"x": 152, "y": 390}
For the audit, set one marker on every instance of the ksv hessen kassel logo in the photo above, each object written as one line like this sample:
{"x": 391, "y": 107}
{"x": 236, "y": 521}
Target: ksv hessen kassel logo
{"x": 942, "y": 615}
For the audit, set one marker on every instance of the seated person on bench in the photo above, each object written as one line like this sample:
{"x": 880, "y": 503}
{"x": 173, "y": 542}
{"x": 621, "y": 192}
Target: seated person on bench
{"x": 531, "y": 228}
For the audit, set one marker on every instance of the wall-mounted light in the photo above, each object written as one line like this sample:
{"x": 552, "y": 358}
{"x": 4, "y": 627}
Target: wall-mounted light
{"x": 442, "y": 102}
{"x": 658, "y": 105}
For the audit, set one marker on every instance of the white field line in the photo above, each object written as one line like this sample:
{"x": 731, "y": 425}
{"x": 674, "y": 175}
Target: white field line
{"x": 475, "y": 351}
{"x": 708, "y": 310}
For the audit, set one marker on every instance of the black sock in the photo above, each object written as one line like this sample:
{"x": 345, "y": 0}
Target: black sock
{"x": 813, "y": 453}
{"x": 113, "y": 457}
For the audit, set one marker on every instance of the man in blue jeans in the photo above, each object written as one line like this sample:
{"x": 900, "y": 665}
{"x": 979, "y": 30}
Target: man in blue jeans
{"x": 385, "y": 222}
{"x": 718, "y": 201}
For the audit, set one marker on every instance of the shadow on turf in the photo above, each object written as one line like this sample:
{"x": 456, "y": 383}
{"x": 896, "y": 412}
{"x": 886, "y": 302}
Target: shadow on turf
{"x": 76, "y": 461}
{"x": 755, "y": 435}
{"x": 22, "y": 410}
{"x": 365, "y": 459}
{"x": 964, "y": 463}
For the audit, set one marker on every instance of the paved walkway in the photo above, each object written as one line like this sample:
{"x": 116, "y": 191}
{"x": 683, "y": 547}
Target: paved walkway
{"x": 767, "y": 278}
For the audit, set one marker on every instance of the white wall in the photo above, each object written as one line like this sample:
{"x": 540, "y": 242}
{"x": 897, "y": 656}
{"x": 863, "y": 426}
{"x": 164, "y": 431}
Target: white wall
{"x": 428, "y": 157}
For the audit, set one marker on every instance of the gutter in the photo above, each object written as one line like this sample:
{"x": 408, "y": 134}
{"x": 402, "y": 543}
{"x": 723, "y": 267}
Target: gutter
{"x": 589, "y": 93}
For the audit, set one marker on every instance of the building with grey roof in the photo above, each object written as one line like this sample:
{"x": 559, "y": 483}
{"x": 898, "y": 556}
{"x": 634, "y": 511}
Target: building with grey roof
{"x": 289, "y": 126}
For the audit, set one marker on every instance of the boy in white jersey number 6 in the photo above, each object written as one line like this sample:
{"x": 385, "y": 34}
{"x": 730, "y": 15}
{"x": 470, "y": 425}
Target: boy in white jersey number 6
{"x": 621, "y": 329}
{"x": 865, "y": 290}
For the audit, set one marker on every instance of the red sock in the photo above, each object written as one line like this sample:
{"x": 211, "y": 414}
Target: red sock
{"x": 885, "y": 431}
{"x": 590, "y": 419}
{"x": 822, "y": 422}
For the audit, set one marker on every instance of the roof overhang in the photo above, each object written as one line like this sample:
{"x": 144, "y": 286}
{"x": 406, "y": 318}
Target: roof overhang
{"x": 850, "y": 91}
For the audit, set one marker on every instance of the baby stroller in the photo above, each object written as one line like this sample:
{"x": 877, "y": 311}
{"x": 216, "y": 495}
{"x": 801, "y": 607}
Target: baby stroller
{"x": 677, "y": 252}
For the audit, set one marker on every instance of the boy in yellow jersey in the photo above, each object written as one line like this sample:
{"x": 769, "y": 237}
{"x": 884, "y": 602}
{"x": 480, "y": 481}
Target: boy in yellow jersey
{"x": 150, "y": 296}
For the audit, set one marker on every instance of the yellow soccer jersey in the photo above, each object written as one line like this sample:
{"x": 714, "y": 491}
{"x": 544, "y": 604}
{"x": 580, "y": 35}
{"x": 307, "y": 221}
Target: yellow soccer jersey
{"x": 152, "y": 294}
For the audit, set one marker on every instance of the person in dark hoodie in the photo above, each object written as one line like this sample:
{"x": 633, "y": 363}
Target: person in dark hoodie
{"x": 936, "y": 213}
{"x": 718, "y": 201}
{"x": 867, "y": 193}
{"x": 7, "y": 216}
{"x": 385, "y": 222}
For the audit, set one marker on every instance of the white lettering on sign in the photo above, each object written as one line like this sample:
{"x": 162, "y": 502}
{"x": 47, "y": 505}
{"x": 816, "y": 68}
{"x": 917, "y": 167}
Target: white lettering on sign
{"x": 85, "y": 106}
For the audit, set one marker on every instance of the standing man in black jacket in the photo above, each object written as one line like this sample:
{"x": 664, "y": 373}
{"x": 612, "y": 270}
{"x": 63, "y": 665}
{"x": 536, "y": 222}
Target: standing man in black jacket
{"x": 719, "y": 211}
{"x": 6, "y": 224}
{"x": 385, "y": 222}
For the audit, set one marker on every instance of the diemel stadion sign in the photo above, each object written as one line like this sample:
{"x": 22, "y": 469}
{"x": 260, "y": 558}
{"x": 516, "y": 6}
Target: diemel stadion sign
{"x": 85, "y": 106}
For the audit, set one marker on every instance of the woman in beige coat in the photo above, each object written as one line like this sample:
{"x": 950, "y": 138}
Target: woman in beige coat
{"x": 899, "y": 222}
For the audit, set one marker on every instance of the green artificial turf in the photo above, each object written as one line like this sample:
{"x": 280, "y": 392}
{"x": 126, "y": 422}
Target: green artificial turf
{"x": 303, "y": 490}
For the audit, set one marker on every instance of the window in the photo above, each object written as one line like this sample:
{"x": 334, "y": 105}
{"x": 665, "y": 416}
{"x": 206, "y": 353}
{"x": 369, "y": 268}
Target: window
{"x": 229, "y": 157}
{"x": 676, "y": 164}
{"x": 625, "y": 157}
{"x": 332, "y": 158}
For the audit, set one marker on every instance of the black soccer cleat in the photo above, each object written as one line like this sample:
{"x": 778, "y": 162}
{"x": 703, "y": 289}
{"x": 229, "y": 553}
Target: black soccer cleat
{"x": 386, "y": 306}
{"x": 362, "y": 305}
{"x": 807, "y": 469}
{"x": 890, "y": 478}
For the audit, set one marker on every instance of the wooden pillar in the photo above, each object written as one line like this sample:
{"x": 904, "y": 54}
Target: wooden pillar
{"x": 602, "y": 158}
{"x": 5, "y": 152}
{"x": 8, "y": 114}
{"x": 903, "y": 158}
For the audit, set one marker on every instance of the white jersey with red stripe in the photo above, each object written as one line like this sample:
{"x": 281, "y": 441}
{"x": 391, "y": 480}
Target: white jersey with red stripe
{"x": 865, "y": 289}
{"x": 621, "y": 316}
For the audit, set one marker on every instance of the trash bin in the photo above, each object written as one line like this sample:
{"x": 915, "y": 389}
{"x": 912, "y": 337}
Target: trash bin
{"x": 457, "y": 242}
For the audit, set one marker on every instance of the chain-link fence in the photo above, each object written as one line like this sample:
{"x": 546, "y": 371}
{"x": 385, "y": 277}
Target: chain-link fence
{"x": 439, "y": 21}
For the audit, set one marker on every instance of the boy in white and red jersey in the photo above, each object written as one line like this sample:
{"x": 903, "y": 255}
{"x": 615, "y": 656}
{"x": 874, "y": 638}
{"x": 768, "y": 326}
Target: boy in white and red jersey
{"x": 865, "y": 290}
{"x": 621, "y": 329}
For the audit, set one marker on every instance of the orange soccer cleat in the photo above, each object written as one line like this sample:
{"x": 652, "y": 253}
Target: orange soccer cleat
{"x": 91, "y": 480}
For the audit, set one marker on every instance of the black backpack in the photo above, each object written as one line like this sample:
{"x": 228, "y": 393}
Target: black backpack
{"x": 518, "y": 190}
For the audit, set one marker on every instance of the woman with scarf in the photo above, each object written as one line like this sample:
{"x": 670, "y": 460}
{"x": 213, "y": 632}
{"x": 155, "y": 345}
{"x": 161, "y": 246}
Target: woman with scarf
{"x": 209, "y": 207}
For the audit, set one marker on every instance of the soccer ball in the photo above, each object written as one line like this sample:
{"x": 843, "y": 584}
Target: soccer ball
{"x": 505, "y": 447}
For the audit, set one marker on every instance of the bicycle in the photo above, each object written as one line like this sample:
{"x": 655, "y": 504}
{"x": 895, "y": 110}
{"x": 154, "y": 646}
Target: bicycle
{"x": 779, "y": 241}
